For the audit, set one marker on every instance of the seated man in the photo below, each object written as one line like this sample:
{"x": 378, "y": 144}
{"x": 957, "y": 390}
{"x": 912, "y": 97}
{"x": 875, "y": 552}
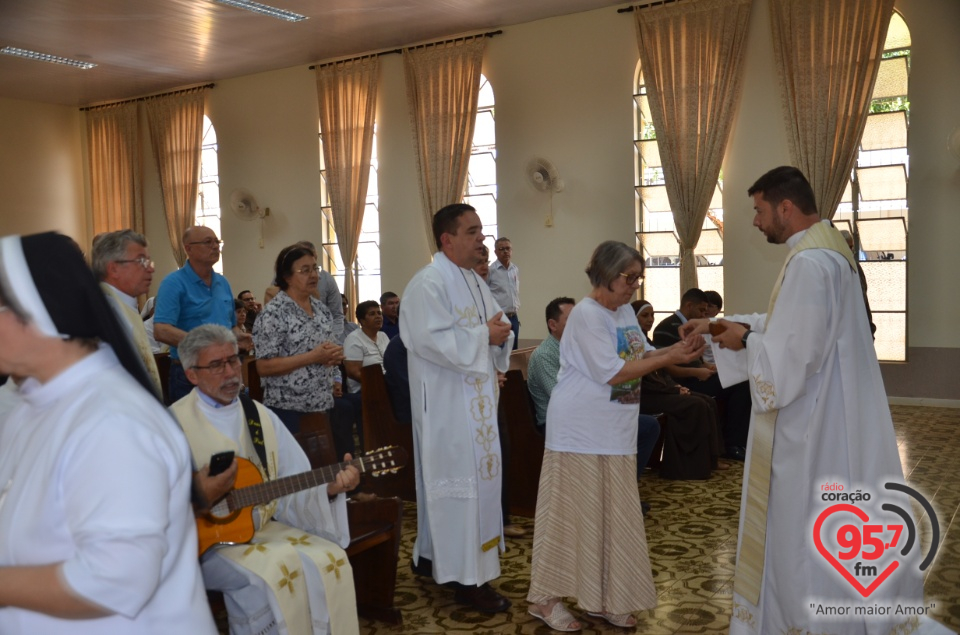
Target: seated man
{"x": 390, "y": 302}
{"x": 253, "y": 309}
{"x": 714, "y": 306}
{"x": 294, "y": 577}
{"x": 544, "y": 368}
{"x": 348, "y": 326}
{"x": 702, "y": 377}
{"x": 398, "y": 380}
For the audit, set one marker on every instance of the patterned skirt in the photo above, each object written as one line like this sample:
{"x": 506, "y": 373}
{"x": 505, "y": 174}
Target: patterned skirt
{"x": 589, "y": 541}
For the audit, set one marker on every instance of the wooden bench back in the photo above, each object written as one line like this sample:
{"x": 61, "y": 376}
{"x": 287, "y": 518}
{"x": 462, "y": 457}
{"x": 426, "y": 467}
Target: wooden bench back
{"x": 523, "y": 445}
{"x": 381, "y": 429}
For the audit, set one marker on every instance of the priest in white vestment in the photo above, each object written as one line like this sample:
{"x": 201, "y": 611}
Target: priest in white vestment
{"x": 96, "y": 531}
{"x": 293, "y": 578}
{"x": 457, "y": 339}
{"x": 820, "y": 418}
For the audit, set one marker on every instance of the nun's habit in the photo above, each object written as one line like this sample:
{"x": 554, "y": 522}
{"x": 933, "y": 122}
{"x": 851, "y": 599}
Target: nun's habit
{"x": 94, "y": 473}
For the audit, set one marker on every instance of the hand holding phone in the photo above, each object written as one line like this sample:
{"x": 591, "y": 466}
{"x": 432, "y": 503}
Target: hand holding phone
{"x": 220, "y": 462}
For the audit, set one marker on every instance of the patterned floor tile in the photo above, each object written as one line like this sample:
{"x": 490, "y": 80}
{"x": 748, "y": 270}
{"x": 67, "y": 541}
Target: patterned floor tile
{"x": 692, "y": 537}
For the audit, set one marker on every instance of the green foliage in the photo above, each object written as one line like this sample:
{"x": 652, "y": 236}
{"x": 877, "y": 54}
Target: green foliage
{"x": 890, "y": 104}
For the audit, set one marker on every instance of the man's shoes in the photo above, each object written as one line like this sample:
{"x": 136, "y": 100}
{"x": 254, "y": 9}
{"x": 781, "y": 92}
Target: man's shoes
{"x": 481, "y": 598}
{"x": 736, "y": 453}
{"x": 422, "y": 567}
{"x": 514, "y": 531}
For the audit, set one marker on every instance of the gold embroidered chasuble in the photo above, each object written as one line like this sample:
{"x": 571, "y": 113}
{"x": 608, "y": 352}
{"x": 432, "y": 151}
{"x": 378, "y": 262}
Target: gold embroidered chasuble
{"x": 277, "y": 550}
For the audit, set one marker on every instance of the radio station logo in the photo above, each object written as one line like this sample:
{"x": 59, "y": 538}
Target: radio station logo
{"x": 867, "y": 543}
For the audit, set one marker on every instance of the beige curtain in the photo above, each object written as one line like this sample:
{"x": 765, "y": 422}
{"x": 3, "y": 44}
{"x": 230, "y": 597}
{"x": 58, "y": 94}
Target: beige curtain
{"x": 443, "y": 83}
{"x": 692, "y": 58}
{"x": 176, "y": 132}
{"x": 347, "y": 93}
{"x": 827, "y": 53}
{"x": 115, "y": 168}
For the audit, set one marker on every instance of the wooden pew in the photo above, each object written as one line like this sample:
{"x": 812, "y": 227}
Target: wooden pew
{"x": 251, "y": 378}
{"x": 163, "y": 369}
{"x": 381, "y": 429}
{"x": 375, "y": 529}
{"x": 525, "y": 445}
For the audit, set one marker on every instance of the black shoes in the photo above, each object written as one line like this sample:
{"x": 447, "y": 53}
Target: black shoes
{"x": 736, "y": 453}
{"x": 422, "y": 568}
{"x": 481, "y": 598}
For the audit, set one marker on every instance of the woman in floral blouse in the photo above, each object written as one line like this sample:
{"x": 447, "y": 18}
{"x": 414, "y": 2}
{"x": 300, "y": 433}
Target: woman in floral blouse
{"x": 297, "y": 357}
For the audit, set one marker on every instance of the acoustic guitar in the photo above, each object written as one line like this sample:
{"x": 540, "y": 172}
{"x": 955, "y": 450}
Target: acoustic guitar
{"x": 230, "y": 520}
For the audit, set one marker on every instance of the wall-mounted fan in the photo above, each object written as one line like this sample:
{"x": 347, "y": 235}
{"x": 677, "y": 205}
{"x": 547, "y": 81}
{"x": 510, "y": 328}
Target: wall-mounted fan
{"x": 545, "y": 178}
{"x": 245, "y": 207}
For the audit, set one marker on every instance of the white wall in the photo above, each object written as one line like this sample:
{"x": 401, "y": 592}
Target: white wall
{"x": 41, "y": 173}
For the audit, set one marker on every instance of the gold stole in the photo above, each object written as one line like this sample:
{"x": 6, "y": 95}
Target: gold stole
{"x": 274, "y": 553}
{"x": 140, "y": 340}
{"x": 750, "y": 562}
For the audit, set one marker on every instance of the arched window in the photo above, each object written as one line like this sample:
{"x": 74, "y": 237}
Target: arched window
{"x": 366, "y": 268}
{"x": 208, "y": 195}
{"x": 482, "y": 170}
{"x": 656, "y": 232}
{"x": 874, "y": 205}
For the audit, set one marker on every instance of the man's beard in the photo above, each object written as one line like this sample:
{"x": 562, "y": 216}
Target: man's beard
{"x": 230, "y": 389}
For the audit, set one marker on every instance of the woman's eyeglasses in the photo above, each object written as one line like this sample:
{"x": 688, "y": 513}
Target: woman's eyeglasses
{"x": 632, "y": 279}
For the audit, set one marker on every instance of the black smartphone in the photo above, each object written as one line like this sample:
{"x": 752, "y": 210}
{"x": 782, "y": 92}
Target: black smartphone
{"x": 220, "y": 462}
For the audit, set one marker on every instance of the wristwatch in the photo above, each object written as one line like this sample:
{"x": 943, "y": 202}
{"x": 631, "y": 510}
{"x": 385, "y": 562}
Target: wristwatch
{"x": 743, "y": 340}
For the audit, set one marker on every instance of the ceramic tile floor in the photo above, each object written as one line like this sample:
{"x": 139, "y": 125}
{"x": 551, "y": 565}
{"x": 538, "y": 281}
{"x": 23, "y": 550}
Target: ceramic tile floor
{"x": 691, "y": 531}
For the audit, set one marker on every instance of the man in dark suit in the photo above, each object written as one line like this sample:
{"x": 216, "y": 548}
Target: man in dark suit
{"x": 702, "y": 377}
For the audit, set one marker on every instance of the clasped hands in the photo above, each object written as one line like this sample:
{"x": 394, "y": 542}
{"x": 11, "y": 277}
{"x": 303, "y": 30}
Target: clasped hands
{"x": 328, "y": 354}
{"x": 725, "y": 333}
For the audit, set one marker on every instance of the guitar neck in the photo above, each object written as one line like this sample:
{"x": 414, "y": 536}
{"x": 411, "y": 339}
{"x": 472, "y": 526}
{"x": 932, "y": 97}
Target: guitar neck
{"x": 270, "y": 490}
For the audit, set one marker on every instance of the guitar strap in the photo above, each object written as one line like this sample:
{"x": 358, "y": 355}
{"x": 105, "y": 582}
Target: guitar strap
{"x": 252, "y": 416}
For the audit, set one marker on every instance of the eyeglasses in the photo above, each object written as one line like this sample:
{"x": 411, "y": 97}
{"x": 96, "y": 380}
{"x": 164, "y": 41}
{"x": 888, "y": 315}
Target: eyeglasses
{"x": 146, "y": 263}
{"x": 632, "y": 279}
{"x": 217, "y": 366}
{"x": 306, "y": 271}
{"x": 209, "y": 242}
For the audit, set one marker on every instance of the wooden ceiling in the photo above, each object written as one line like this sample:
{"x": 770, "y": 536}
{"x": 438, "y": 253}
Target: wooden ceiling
{"x": 148, "y": 46}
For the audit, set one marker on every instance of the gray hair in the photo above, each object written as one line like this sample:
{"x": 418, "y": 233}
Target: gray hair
{"x": 110, "y": 247}
{"x": 608, "y": 261}
{"x": 201, "y": 337}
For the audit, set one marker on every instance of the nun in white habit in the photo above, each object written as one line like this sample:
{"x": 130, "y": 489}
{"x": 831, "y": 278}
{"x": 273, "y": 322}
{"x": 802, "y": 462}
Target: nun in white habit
{"x": 95, "y": 476}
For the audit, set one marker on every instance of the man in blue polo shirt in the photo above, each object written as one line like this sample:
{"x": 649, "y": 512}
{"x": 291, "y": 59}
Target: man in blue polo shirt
{"x": 193, "y": 295}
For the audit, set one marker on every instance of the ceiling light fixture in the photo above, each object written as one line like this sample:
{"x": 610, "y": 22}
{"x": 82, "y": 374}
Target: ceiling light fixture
{"x": 45, "y": 57}
{"x": 263, "y": 9}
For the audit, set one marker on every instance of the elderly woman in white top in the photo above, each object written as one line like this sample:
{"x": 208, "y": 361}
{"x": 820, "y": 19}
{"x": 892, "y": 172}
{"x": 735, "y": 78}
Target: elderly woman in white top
{"x": 588, "y": 540}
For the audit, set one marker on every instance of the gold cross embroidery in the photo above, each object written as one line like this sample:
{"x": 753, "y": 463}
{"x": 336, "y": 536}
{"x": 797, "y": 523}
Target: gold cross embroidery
{"x": 302, "y": 540}
{"x": 334, "y": 565}
{"x": 288, "y": 578}
{"x": 252, "y": 548}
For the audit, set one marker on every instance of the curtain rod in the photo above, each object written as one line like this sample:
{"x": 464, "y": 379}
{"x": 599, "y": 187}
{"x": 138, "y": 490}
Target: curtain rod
{"x": 641, "y": 7}
{"x": 417, "y": 46}
{"x": 129, "y": 101}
